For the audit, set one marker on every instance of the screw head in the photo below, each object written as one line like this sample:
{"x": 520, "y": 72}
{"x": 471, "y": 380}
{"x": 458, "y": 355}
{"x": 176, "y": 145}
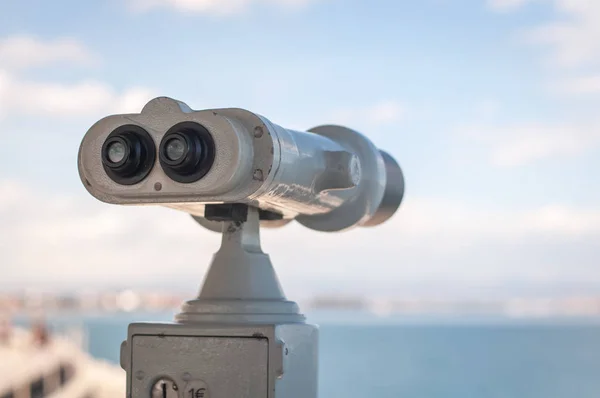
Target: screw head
{"x": 258, "y": 175}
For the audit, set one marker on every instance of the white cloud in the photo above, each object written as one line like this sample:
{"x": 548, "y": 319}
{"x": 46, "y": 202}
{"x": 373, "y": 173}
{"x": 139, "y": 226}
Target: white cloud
{"x": 212, "y": 6}
{"x": 431, "y": 218}
{"x": 380, "y": 113}
{"x": 573, "y": 37}
{"x": 487, "y": 108}
{"x": 19, "y": 52}
{"x": 64, "y": 240}
{"x": 20, "y": 97}
{"x": 573, "y": 40}
{"x": 521, "y": 144}
{"x": 555, "y": 218}
{"x": 580, "y": 85}
{"x": 506, "y": 5}
{"x": 23, "y": 97}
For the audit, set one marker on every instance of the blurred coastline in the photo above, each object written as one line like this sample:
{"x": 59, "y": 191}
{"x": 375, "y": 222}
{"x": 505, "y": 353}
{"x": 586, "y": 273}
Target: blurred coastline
{"x": 127, "y": 301}
{"x": 415, "y": 348}
{"x": 57, "y": 365}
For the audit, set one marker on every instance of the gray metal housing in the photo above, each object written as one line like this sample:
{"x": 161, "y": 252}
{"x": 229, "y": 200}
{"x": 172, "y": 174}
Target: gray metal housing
{"x": 330, "y": 178}
{"x": 242, "y": 361}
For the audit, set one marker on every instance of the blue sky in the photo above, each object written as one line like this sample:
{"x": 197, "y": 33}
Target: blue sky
{"x": 489, "y": 106}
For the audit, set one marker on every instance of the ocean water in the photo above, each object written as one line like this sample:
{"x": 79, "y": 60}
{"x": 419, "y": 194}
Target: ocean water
{"x": 365, "y": 356}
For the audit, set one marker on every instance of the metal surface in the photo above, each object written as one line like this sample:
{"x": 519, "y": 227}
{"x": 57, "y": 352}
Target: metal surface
{"x": 241, "y": 284}
{"x": 227, "y": 366}
{"x": 229, "y": 179}
{"x": 331, "y": 178}
{"x": 362, "y": 201}
{"x": 242, "y": 361}
{"x": 217, "y": 226}
{"x": 393, "y": 194}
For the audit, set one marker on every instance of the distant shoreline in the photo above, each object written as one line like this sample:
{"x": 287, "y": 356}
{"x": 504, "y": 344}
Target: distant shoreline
{"x": 128, "y": 301}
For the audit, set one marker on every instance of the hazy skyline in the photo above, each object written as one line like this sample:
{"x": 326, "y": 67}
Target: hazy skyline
{"x": 490, "y": 107}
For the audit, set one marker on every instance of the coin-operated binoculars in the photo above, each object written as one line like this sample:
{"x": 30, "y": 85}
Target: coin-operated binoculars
{"x": 234, "y": 171}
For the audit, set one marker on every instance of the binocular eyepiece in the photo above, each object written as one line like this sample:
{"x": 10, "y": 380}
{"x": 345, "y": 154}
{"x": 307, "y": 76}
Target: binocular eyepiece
{"x": 186, "y": 153}
{"x": 128, "y": 154}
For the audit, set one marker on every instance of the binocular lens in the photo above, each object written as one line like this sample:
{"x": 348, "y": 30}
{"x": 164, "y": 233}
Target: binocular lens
{"x": 175, "y": 149}
{"x": 116, "y": 151}
{"x": 128, "y": 154}
{"x": 187, "y": 152}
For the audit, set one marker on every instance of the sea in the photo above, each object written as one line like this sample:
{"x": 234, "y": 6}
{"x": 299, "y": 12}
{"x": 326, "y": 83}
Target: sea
{"x": 364, "y": 355}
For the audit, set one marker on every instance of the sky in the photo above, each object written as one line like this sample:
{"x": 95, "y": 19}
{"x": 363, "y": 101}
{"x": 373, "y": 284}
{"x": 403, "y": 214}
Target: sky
{"x": 490, "y": 107}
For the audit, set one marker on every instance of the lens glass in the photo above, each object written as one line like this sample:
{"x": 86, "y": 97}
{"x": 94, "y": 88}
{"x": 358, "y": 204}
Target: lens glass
{"x": 175, "y": 149}
{"x": 186, "y": 152}
{"x": 116, "y": 151}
